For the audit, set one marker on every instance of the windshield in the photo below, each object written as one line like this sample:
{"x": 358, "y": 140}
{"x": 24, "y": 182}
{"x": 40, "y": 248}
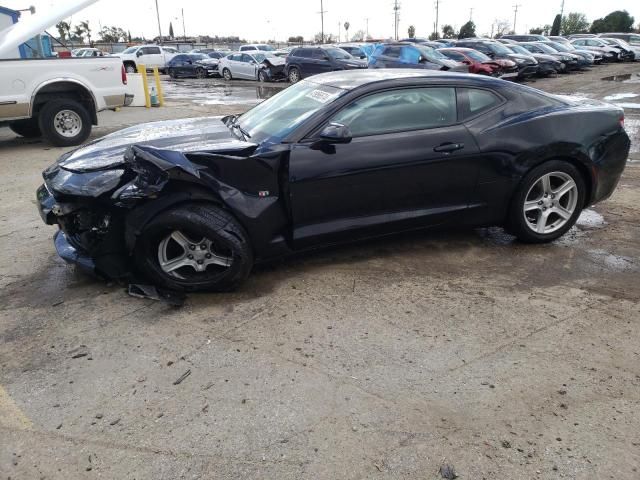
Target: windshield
{"x": 278, "y": 116}
{"x": 429, "y": 53}
{"x": 498, "y": 48}
{"x": 130, "y": 50}
{"x": 339, "y": 54}
{"x": 560, "y": 47}
{"x": 478, "y": 56}
{"x": 546, "y": 48}
{"x": 519, "y": 49}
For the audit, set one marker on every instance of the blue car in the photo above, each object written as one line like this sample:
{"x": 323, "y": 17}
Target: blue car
{"x": 194, "y": 65}
{"x": 411, "y": 55}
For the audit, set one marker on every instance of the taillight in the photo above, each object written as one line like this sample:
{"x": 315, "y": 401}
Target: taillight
{"x": 622, "y": 121}
{"x": 124, "y": 75}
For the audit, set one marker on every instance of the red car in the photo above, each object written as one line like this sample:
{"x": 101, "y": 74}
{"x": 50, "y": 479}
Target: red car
{"x": 480, "y": 63}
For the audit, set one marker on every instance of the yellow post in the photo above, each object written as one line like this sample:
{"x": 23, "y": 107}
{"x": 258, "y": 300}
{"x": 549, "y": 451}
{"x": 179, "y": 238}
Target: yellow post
{"x": 156, "y": 74}
{"x": 145, "y": 85}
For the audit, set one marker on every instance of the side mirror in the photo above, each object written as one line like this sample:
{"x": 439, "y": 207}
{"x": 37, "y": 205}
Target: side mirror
{"x": 336, "y": 133}
{"x": 139, "y": 53}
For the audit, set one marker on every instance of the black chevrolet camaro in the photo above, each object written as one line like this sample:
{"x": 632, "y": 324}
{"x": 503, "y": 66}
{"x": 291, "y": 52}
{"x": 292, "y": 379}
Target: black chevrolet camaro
{"x": 192, "y": 204}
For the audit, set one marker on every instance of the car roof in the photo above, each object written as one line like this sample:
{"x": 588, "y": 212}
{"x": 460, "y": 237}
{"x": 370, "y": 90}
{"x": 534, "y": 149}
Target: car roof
{"x": 351, "y": 79}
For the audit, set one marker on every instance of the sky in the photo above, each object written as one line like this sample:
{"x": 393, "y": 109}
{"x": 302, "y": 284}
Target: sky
{"x": 259, "y": 20}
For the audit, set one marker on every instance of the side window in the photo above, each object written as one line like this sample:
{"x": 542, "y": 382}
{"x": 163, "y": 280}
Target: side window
{"x": 455, "y": 56}
{"x": 399, "y": 110}
{"x": 242, "y": 49}
{"x": 479, "y": 101}
{"x": 179, "y": 58}
{"x": 246, "y": 58}
{"x": 152, "y": 51}
{"x": 393, "y": 52}
{"x": 318, "y": 54}
{"x": 236, "y": 57}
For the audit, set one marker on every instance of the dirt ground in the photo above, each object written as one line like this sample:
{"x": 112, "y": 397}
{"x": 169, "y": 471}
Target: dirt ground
{"x": 382, "y": 360}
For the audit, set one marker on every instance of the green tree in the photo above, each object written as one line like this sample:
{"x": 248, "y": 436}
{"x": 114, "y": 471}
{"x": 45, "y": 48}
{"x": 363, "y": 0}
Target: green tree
{"x": 171, "y": 29}
{"x": 448, "y": 32}
{"x": 618, "y": 21}
{"x": 113, "y": 35}
{"x": 296, "y": 39}
{"x": 467, "y": 30}
{"x": 412, "y": 31}
{"x": 64, "y": 30}
{"x": 574, "y": 22}
{"x": 434, "y": 36}
{"x": 555, "y": 28}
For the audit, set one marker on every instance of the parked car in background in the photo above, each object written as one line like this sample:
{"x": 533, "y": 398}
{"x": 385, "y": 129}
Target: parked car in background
{"x": 253, "y": 65}
{"x": 430, "y": 44}
{"x": 196, "y": 65}
{"x": 527, "y": 65}
{"x": 523, "y": 38}
{"x": 547, "y": 64}
{"x": 626, "y": 47}
{"x": 631, "y": 38}
{"x": 588, "y": 56}
{"x": 445, "y": 42}
{"x": 558, "y": 39}
{"x": 480, "y": 63}
{"x": 87, "y": 52}
{"x": 354, "y": 49}
{"x": 581, "y": 35}
{"x": 303, "y": 62}
{"x": 570, "y": 61}
{"x": 148, "y": 55}
{"x": 611, "y": 53}
{"x": 413, "y": 55}
{"x": 256, "y": 46}
{"x": 342, "y": 156}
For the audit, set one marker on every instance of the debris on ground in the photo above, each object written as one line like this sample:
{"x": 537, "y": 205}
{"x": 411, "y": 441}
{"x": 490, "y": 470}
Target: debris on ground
{"x": 448, "y": 472}
{"x": 175, "y": 299}
{"x": 182, "y": 377}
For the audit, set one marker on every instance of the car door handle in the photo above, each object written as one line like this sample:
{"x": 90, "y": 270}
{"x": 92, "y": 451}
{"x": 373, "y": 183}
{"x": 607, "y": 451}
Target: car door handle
{"x": 448, "y": 147}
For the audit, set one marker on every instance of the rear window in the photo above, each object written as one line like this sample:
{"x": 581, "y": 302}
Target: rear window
{"x": 480, "y": 101}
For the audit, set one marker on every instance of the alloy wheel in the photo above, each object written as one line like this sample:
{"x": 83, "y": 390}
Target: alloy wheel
{"x": 226, "y": 74}
{"x": 550, "y": 202}
{"x": 294, "y": 76}
{"x": 181, "y": 257}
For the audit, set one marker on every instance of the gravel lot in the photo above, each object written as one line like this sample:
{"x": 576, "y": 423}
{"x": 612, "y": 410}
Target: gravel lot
{"x": 385, "y": 360}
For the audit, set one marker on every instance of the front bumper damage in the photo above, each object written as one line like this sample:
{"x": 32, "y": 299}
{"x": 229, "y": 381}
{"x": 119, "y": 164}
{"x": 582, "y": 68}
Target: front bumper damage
{"x": 273, "y": 69}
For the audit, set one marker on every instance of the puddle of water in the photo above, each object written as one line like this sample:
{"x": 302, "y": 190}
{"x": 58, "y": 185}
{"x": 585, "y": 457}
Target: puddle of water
{"x": 611, "y": 261}
{"x": 206, "y": 92}
{"x": 590, "y": 219}
{"x": 626, "y": 78}
{"x": 620, "y": 96}
{"x": 632, "y": 126}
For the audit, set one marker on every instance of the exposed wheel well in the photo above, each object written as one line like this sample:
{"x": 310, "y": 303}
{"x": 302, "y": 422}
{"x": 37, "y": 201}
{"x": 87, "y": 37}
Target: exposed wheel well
{"x": 64, "y": 89}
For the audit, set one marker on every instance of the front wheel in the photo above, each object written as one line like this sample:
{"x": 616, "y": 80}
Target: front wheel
{"x": 547, "y": 203}
{"x": 226, "y": 74}
{"x": 294, "y": 75}
{"x": 201, "y": 73}
{"x": 172, "y": 73}
{"x": 64, "y": 122}
{"x": 194, "y": 247}
{"x": 262, "y": 77}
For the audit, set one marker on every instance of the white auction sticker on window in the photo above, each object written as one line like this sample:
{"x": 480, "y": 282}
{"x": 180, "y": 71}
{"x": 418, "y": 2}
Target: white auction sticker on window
{"x": 320, "y": 96}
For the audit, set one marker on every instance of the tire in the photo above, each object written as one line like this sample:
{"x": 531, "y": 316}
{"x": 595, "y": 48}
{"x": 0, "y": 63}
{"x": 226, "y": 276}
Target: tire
{"x": 130, "y": 67}
{"x": 201, "y": 73}
{"x": 226, "y": 74}
{"x": 26, "y": 128}
{"x": 541, "y": 223}
{"x": 262, "y": 78}
{"x": 199, "y": 221}
{"x": 294, "y": 75}
{"x": 172, "y": 74}
{"x": 64, "y": 135}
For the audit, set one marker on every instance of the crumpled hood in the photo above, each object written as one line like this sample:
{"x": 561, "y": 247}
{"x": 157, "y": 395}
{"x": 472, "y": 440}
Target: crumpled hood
{"x": 275, "y": 61}
{"x": 516, "y": 56}
{"x": 206, "y": 134}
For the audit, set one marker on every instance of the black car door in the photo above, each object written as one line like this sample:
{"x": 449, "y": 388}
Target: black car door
{"x": 410, "y": 164}
{"x": 321, "y": 61}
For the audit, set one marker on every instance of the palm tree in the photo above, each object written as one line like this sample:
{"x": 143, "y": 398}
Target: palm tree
{"x": 86, "y": 29}
{"x": 63, "y": 30}
{"x": 346, "y": 29}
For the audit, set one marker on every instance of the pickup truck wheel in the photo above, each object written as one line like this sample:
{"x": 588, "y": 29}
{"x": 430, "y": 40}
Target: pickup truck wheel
{"x": 194, "y": 247}
{"x": 64, "y": 122}
{"x": 130, "y": 68}
{"x": 26, "y": 128}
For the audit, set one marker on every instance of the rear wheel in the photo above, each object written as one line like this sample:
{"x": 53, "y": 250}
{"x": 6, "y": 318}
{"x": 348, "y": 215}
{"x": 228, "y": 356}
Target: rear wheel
{"x": 26, "y": 128}
{"x": 547, "y": 203}
{"x": 194, "y": 247}
{"x": 172, "y": 73}
{"x": 294, "y": 75}
{"x": 226, "y": 73}
{"x": 64, "y": 122}
{"x": 201, "y": 73}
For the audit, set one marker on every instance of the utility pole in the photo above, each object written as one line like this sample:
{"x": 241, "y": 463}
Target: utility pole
{"x": 471, "y": 14}
{"x": 561, "y": 13}
{"x": 184, "y": 30}
{"x": 322, "y": 12}
{"x": 367, "y": 29}
{"x": 437, "y": 13}
{"x": 339, "y": 32}
{"x": 396, "y": 9}
{"x": 515, "y": 16}
{"x": 159, "y": 28}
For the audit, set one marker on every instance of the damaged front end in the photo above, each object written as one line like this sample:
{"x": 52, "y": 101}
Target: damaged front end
{"x": 100, "y": 209}
{"x": 273, "y": 69}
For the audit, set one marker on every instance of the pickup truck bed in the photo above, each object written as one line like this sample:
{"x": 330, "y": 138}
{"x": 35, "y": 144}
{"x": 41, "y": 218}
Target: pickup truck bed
{"x": 59, "y": 98}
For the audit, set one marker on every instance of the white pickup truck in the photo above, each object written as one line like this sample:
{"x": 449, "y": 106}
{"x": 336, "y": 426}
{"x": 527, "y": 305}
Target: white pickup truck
{"x": 148, "y": 55}
{"x": 59, "y": 98}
